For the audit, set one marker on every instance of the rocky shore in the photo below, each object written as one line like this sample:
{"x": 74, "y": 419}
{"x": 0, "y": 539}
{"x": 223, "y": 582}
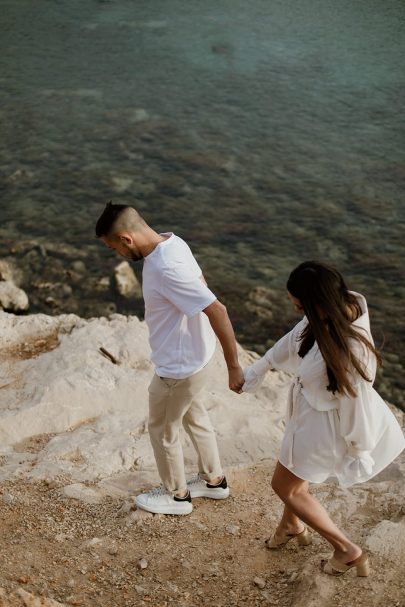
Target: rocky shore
{"x": 74, "y": 449}
{"x": 53, "y": 280}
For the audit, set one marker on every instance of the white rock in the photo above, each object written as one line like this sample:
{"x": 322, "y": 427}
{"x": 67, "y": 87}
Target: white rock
{"x": 8, "y": 271}
{"x": 9, "y": 499}
{"x": 142, "y": 564}
{"x": 126, "y": 282}
{"x": 12, "y": 298}
{"x": 138, "y": 517}
{"x": 232, "y": 529}
{"x": 126, "y": 507}
{"x": 388, "y": 540}
{"x": 97, "y": 411}
{"x": 83, "y": 493}
{"x": 61, "y": 389}
{"x": 259, "y": 582}
{"x": 95, "y": 541}
{"x": 104, "y": 282}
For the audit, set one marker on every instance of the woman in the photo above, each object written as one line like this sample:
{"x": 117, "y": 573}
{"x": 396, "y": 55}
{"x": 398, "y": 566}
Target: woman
{"x": 337, "y": 425}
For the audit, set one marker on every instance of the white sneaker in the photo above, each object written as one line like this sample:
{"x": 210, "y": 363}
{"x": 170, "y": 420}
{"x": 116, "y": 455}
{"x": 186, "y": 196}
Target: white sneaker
{"x": 198, "y": 487}
{"x": 159, "y": 501}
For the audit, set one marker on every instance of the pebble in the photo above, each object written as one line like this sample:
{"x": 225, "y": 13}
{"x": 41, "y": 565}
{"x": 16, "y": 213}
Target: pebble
{"x": 138, "y": 517}
{"x": 7, "y": 498}
{"x": 142, "y": 564}
{"x": 259, "y": 582}
{"x": 104, "y": 282}
{"x": 91, "y": 543}
{"x": 79, "y": 266}
{"x": 199, "y": 525}
{"x": 126, "y": 507}
{"x": 232, "y": 529}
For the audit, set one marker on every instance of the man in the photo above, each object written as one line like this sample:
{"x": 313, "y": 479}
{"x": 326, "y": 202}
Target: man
{"x": 183, "y": 317}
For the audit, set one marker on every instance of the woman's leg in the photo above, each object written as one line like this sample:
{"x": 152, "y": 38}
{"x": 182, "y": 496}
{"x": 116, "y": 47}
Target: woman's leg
{"x": 290, "y": 524}
{"x": 293, "y": 491}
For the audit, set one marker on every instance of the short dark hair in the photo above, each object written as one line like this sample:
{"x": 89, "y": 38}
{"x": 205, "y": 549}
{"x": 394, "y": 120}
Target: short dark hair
{"x": 108, "y": 217}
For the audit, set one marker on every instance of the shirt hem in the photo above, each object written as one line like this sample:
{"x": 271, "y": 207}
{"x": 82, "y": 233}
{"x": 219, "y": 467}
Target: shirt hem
{"x": 169, "y": 375}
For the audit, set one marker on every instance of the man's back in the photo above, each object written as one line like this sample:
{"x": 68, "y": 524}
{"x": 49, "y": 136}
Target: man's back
{"x": 181, "y": 337}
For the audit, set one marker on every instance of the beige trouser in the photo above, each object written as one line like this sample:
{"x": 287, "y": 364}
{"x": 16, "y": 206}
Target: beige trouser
{"x": 173, "y": 403}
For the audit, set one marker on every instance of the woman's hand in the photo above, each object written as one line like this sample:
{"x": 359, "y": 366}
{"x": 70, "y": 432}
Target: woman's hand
{"x": 254, "y": 374}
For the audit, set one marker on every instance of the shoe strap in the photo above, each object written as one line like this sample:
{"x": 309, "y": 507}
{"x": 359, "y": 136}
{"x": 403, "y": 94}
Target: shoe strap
{"x": 336, "y": 565}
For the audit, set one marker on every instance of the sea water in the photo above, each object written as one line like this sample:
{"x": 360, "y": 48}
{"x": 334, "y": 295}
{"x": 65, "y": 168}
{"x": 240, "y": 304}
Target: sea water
{"x": 264, "y": 133}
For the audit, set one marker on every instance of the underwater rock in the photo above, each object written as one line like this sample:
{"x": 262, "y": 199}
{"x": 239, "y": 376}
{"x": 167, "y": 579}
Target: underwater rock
{"x": 259, "y": 302}
{"x": 126, "y": 282}
{"x": 12, "y": 299}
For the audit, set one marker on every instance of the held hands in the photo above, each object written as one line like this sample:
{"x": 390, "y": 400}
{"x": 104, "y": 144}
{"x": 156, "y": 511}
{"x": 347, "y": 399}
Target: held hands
{"x": 250, "y": 378}
{"x": 254, "y": 374}
{"x": 236, "y": 379}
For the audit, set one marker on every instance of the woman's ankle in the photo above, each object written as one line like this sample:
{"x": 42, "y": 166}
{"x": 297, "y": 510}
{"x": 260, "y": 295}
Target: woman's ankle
{"x": 348, "y": 553}
{"x": 290, "y": 528}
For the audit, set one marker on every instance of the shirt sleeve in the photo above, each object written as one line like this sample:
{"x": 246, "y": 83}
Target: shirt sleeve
{"x": 182, "y": 286}
{"x": 359, "y": 428}
{"x": 283, "y": 356}
{"x": 358, "y": 419}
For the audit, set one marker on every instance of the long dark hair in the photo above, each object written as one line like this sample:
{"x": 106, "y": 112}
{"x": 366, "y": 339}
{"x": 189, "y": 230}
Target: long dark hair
{"x": 330, "y": 309}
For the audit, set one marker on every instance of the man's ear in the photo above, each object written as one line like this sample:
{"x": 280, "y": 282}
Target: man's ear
{"x": 125, "y": 239}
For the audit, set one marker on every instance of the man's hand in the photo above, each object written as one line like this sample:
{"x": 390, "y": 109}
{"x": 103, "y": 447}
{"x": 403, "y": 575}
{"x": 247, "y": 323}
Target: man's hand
{"x": 236, "y": 379}
{"x": 219, "y": 319}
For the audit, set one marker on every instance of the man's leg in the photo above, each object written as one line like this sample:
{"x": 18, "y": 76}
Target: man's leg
{"x": 168, "y": 402}
{"x": 199, "y": 428}
{"x": 210, "y": 482}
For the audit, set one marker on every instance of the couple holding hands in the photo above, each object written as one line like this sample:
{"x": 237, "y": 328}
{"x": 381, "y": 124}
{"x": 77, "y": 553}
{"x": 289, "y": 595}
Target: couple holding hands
{"x": 336, "y": 424}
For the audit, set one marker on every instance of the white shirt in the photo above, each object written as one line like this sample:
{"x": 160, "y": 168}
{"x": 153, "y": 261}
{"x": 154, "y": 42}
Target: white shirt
{"x": 180, "y": 335}
{"x": 352, "y": 438}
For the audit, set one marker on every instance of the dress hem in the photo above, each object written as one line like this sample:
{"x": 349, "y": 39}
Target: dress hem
{"x": 335, "y": 476}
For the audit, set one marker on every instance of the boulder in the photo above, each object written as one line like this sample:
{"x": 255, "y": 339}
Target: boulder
{"x": 12, "y": 299}
{"x": 90, "y": 406}
{"x": 126, "y": 282}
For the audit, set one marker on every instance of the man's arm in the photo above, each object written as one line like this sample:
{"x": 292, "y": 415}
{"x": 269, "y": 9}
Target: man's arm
{"x": 219, "y": 319}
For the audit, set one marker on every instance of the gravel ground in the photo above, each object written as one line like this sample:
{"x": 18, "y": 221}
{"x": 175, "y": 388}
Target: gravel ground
{"x": 55, "y": 550}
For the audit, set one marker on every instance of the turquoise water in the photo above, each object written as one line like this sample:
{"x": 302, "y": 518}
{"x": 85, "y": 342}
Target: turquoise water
{"x": 264, "y": 133}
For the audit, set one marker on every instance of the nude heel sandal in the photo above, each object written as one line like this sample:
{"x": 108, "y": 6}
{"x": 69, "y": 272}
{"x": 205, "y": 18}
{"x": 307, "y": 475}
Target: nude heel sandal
{"x": 335, "y": 567}
{"x": 275, "y": 542}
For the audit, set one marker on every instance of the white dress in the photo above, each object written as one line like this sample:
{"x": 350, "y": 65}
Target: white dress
{"x": 327, "y": 435}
